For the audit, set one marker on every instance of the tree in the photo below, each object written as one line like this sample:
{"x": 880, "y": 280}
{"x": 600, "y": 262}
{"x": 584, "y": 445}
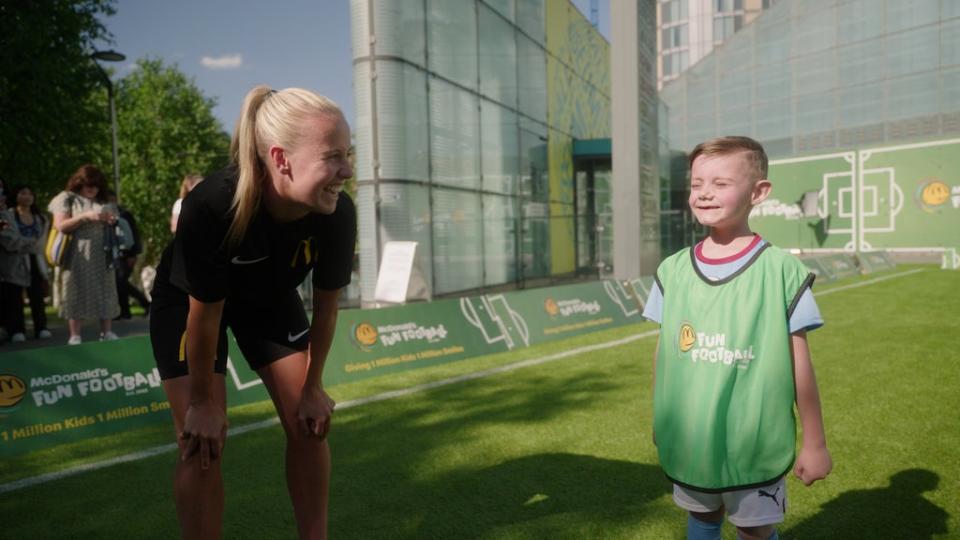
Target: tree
{"x": 52, "y": 111}
{"x": 166, "y": 130}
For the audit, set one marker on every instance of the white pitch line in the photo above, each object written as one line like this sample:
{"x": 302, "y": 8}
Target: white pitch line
{"x": 868, "y": 282}
{"x": 162, "y": 449}
{"x": 383, "y": 396}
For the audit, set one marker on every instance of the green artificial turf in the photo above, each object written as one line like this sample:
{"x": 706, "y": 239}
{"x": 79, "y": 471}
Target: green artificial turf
{"x": 563, "y": 449}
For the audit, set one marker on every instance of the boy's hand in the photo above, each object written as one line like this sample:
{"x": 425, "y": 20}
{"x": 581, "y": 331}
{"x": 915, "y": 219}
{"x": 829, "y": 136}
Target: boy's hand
{"x": 813, "y": 464}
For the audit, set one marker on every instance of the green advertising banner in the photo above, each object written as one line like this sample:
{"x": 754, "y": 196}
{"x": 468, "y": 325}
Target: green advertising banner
{"x": 780, "y": 218}
{"x": 895, "y": 198}
{"x": 371, "y": 343}
{"x": 910, "y": 196}
{"x": 59, "y": 394}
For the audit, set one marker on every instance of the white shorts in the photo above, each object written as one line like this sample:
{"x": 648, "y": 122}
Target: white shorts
{"x": 752, "y": 507}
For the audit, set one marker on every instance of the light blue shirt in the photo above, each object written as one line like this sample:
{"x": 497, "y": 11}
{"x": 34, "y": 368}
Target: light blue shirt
{"x": 806, "y": 315}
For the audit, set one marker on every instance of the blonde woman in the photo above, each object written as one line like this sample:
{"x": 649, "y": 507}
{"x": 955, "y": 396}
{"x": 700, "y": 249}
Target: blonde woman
{"x": 189, "y": 182}
{"x": 247, "y": 236}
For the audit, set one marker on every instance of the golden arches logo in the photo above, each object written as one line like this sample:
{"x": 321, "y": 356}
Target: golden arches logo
{"x": 932, "y": 193}
{"x": 688, "y": 336}
{"x": 365, "y": 334}
{"x": 551, "y": 307}
{"x": 12, "y": 390}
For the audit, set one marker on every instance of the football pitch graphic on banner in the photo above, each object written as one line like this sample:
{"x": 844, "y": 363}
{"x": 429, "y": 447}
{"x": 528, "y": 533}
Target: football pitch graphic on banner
{"x": 56, "y": 395}
{"x": 895, "y": 198}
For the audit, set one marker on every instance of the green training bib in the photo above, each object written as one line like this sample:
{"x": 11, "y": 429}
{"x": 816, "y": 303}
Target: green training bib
{"x": 724, "y": 390}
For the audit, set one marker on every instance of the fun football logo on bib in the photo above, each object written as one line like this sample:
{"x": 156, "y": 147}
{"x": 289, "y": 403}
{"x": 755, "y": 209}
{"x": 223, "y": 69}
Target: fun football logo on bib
{"x": 688, "y": 336}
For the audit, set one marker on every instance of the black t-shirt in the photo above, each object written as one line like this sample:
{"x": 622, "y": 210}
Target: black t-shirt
{"x": 272, "y": 257}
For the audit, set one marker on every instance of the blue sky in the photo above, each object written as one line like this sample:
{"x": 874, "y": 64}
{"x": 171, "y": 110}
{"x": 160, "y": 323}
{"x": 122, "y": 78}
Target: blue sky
{"x": 229, "y": 46}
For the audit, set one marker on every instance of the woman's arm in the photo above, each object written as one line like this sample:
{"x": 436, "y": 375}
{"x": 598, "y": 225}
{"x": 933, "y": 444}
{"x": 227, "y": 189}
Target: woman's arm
{"x": 205, "y": 424}
{"x": 67, "y": 224}
{"x": 315, "y": 406}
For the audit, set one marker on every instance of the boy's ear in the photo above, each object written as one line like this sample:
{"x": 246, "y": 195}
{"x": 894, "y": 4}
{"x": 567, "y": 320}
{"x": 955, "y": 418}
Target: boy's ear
{"x": 761, "y": 189}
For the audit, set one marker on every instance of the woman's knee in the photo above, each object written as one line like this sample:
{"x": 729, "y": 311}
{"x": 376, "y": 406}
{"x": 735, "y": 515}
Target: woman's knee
{"x": 763, "y": 532}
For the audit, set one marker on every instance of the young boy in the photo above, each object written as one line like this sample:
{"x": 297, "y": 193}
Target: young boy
{"x": 732, "y": 357}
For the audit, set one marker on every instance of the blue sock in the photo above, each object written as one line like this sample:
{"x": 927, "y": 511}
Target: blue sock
{"x": 774, "y": 536}
{"x": 702, "y": 530}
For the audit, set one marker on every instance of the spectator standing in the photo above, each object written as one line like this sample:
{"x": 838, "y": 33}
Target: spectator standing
{"x": 90, "y": 289}
{"x": 189, "y": 182}
{"x": 124, "y": 267}
{"x": 23, "y": 266}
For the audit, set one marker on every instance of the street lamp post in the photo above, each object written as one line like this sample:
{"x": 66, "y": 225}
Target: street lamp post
{"x": 111, "y": 56}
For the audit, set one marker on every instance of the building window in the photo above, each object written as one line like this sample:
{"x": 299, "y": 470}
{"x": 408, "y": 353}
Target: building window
{"x": 673, "y": 11}
{"x": 726, "y": 26}
{"x": 728, "y": 6}
{"x": 673, "y": 37}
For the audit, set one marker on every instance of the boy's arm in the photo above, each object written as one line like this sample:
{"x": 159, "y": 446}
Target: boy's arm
{"x": 656, "y": 352}
{"x": 813, "y": 462}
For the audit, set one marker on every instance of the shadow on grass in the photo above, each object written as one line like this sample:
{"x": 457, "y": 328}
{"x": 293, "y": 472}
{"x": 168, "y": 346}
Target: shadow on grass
{"x": 897, "y": 511}
{"x": 481, "y": 458}
{"x": 398, "y": 472}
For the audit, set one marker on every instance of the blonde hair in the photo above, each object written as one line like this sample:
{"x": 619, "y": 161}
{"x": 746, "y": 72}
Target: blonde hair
{"x": 723, "y": 146}
{"x": 189, "y": 182}
{"x": 268, "y": 117}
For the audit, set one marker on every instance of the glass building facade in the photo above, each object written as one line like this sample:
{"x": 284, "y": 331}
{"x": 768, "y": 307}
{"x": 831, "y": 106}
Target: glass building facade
{"x": 818, "y": 75}
{"x": 466, "y": 116}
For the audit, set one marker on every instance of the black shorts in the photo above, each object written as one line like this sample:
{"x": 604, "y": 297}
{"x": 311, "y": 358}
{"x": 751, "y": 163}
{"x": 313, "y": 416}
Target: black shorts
{"x": 265, "y": 331}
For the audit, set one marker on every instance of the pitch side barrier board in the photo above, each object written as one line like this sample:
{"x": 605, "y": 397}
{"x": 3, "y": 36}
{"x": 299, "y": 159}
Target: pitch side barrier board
{"x": 57, "y": 395}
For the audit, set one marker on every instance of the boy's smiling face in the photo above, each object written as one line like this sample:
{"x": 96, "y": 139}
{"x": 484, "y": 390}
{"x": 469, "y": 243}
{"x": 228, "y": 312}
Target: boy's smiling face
{"x": 723, "y": 190}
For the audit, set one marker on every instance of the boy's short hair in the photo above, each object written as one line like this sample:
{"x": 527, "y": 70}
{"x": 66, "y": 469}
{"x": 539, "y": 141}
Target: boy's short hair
{"x": 722, "y": 146}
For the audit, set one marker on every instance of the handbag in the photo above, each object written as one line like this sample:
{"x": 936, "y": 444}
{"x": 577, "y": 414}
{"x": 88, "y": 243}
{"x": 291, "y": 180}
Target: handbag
{"x": 59, "y": 248}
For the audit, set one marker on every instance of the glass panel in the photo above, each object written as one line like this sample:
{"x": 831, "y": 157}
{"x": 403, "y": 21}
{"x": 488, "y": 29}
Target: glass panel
{"x": 498, "y": 58}
{"x": 531, "y": 18}
{"x": 359, "y": 28}
{"x": 858, "y": 20}
{"x": 457, "y": 240}
{"x": 402, "y": 121}
{"x": 363, "y": 125}
{"x": 950, "y": 43}
{"x": 860, "y": 105}
{"x": 773, "y": 120}
{"x": 499, "y": 158}
{"x": 534, "y": 212}
{"x": 814, "y": 73}
{"x": 903, "y": 15}
{"x": 603, "y": 206}
{"x": 367, "y": 234}
{"x": 499, "y": 239}
{"x": 585, "y": 221}
{"x": 815, "y": 113}
{"x": 913, "y": 51}
{"x": 912, "y": 96}
{"x": 504, "y": 7}
{"x": 405, "y": 216}
{"x": 452, "y": 40}
{"x": 399, "y": 28}
{"x": 454, "y": 135}
{"x": 859, "y": 63}
{"x": 532, "y": 79}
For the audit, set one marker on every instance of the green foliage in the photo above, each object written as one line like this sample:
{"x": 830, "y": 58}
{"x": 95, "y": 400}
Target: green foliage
{"x": 166, "y": 130}
{"x": 52, "y": 101}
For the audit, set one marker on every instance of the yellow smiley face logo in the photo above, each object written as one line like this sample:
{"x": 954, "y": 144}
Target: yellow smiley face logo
{"x": 687, "y": 337}
{"x": 935, "y": 193}
{"x": 12, "y": 390}
{"x": 365, "y": 334}
{"x": 551, "y": 307}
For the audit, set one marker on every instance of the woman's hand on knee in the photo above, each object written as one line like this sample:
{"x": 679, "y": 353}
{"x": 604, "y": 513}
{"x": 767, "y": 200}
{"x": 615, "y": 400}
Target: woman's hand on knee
{"x": 314, "y": 412}
{"x": 204, "y": 432}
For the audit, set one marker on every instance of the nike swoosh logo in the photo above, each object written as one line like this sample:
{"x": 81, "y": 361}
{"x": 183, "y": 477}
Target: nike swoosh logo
{"x": 238, "y": 260}
{"x": 291, "y": 338}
